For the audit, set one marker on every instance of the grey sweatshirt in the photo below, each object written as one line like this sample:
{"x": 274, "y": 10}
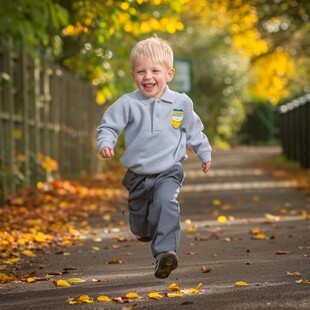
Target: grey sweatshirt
{"x": 156, "y": 131}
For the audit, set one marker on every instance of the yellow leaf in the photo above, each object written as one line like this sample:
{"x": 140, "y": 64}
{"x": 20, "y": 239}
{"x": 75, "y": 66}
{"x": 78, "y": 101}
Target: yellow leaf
{"x": 40, "y": 237}
{"x": 29, "y": 253}
{"x": 173, "y": 287}
{"x": 205, "y": 269}
{"x": 155, "y": 295}
{"x": 95, "y": 248}
{"x": 76, "y": 280}
{"x": 222, "y": 219}
{"x": 191, "y": 229}
{"x": 116, "y": 261}
{"x": 305, "y": 215}
{"x": 303, "y": 281}
{"x": 81, "y": 299}
{"x": 5, "y": 278}
{"x": 260, "y": 236}
{"x": 86, "y": 299}
{"x": 294, "y": 274}
{"x": 103, "y": 298}
{"x": 190, "y": 291}
{"x": 271, "y": 217}
{"x": 199, "y": 286}
{"x": 31, "y": 280}
{"x": 255, "y": 230}
{"x": 216, "y": 202}
{"x": 61, "y": 283}
{"x": 175, "y": 295}
{"x": 132, "y": 295}
{"x": 241, "y": 283}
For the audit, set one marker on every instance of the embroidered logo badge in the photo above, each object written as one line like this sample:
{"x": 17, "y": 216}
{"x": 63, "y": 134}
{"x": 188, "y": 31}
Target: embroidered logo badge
{"x": 176, "y": 118}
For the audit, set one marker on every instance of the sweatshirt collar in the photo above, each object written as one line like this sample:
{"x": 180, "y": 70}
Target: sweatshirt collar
{"x": 167, "y": 96}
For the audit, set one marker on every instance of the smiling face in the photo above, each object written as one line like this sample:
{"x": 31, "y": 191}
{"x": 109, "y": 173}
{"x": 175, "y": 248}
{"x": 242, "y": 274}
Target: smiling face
{"x": 150, "y": 77}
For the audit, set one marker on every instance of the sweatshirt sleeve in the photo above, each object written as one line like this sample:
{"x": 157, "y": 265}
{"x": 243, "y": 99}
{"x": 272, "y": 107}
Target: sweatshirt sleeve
{"x": 196, "y": 139}
{"x": 112, "y": 123}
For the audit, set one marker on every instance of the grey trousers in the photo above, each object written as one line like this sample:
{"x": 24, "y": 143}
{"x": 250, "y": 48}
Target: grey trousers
{"x": 153, "y": 207}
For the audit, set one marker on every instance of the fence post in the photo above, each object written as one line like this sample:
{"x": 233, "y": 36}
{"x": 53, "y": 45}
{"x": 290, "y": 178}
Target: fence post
{"x": 295, "y": 130}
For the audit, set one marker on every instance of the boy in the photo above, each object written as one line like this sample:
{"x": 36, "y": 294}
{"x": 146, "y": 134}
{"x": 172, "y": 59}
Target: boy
{"x": 158, "y": 124}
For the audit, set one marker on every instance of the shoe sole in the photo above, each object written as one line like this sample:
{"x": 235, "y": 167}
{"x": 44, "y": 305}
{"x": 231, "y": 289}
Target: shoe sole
{"x": 144, "y": 239}
{"x": 167, "y": 263}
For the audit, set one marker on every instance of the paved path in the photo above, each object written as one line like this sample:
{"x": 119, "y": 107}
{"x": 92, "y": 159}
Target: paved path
{"x": 235, "y": 189}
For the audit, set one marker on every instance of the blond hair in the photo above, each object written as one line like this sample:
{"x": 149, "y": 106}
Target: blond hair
{"x": 154, "y": 49}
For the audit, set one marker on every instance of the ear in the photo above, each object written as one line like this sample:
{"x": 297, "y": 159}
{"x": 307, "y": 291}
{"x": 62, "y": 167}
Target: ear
{"x": 170, "y": 74}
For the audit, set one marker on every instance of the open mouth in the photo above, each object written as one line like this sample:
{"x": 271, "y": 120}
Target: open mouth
{"x": 149, "y": 85}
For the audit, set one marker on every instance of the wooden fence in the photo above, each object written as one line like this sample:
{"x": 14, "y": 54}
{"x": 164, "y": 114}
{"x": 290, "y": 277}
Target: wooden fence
{"x": 47, "y": 115}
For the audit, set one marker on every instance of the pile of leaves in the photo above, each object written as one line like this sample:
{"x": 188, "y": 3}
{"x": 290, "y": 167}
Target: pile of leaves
{"x": 54, "y": 214}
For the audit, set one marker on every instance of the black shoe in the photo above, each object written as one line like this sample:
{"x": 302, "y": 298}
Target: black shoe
{"x": 165, "y": 264}
{"x": 144, "y": 239}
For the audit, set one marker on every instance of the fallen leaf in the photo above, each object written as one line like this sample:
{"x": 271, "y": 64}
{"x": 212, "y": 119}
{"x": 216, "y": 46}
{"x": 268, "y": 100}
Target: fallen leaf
{"x": 116, "y": 261}
{"x": 118, "y": 300}
{"x": 29, "y": 253}
{"x": 241, "y": 283}
{"x": 103, "y": 298}
{"x": 303, "y": 281}
{"x": 216, "y": 202}
{"x": 31, "y": 280}
{"x": 294, "y": 274}
{"x": 222, "y": 219}
{"x": 76, "y": 280}
{"x": 56, "y": 273}
{"x": 260, "y": 236}
{"x": 205, "y": 269}
{"x": 61, "y": 283}
{"x": 283, "y": 252}
{"x": 79, "y": 300}
{"x": 6, "y": 279}
{"x": 191, "y": 229}
{"x": 272, "y": 218}
{"x": 255, "y": 230}
{"x": 192, "y": 291}
{"x": 132, "y": 295}
{"x": 305, "y": 215}
{"x": 175, "y": 295}
{"x": 155, "y": 295}
{"x": 173, "y": 287}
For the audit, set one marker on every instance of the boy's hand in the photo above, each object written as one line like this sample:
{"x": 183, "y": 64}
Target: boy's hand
{"x": 206, "y": 166}
{"x": 106, "y": 152}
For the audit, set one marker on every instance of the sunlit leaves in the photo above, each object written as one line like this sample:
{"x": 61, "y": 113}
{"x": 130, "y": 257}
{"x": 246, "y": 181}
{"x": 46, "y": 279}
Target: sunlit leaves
{"x": 173, "y": 291}
{"x": 52, "y": 215}
{"x": 61, "y": 283}
{"x": 241, "y": 283}
{"x": 155, "y": 295}
{"x": 103, "y": 298}
{"x": 271, "y": 75}
{"x": 132, "y": 295}
{"x": 303, "y": 281}
{"x": 4, "y": 278}
{"x": 81, "y": 299}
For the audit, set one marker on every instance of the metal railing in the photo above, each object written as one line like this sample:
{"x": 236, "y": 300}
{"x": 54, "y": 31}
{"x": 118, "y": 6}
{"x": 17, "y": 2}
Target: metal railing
{"x": 295, "y": 130}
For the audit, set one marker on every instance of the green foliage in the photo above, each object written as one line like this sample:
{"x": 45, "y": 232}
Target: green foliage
{"x": 230, "y": 42}
{"x": 28, "y": 22}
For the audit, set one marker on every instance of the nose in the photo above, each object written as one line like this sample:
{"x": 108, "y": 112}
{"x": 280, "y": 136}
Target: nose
{"x": 148, "y": 75}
